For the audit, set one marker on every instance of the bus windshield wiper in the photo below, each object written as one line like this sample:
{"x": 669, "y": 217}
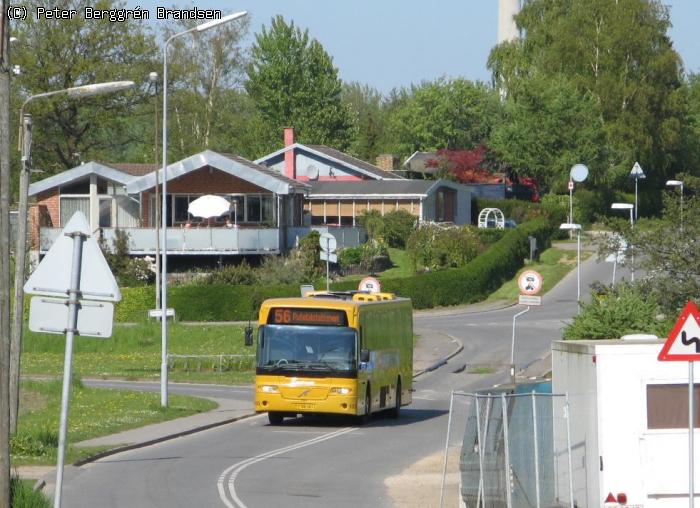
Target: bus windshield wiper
{"x": 293, "y": 365}
{"x": 321, "y": 364}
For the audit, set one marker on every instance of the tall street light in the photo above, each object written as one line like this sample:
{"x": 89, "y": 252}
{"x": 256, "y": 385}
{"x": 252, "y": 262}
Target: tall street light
{"x": 576, "y": 227}
{"x": 164, "y": 212}
{"x": 25, "y": 144}
{"x": 677, "y": 183}
{"x": 630, "y": 207}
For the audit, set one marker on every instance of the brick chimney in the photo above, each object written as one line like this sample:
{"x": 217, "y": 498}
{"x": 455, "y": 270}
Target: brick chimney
{"x": 290, "y": 162}
{"x": 387, "y": 162}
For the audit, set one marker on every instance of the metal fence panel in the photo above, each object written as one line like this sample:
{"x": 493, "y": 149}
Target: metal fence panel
{"x": 515, "y": 451}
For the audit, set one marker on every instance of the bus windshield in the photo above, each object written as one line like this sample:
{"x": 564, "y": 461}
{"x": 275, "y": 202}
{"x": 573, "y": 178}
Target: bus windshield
{"x": 284, "y": 348}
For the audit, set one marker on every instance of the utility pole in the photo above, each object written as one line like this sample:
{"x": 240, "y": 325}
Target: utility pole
{"x": 20, "y": 266}
{"x": 4, "y": 255}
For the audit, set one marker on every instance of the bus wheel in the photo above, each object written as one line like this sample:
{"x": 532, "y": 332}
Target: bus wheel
{"x": 368, "y": 409}
{"x": 275, "y": 418}
{"x": 395, "y": 412}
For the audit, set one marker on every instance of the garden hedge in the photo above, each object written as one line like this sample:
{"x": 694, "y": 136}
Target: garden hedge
{"x": 468, "y": 284}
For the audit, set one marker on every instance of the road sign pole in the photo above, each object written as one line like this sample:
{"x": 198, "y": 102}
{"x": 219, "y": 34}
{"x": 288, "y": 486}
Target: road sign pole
{"x": 71, "y": 326}
{"x": 691, "y": 440}
{"x": 328, "y": 263}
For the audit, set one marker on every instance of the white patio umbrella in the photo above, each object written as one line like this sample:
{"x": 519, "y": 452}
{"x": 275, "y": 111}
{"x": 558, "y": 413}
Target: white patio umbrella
{"x": 209, "y": 206}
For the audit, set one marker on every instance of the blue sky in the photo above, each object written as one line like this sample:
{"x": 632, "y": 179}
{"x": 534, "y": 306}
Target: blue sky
{"x": 393, "y": 43}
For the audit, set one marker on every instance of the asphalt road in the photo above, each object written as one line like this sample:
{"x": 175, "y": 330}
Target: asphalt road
{"x": 311, "y": 462}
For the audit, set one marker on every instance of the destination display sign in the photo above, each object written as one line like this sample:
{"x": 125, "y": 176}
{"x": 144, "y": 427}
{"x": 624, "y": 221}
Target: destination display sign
{"x": 311, "y": 317}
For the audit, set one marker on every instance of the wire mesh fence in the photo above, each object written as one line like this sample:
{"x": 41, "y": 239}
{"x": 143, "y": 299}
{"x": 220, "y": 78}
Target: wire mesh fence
{"x": 515, "y": 449}
{"x": 211, "y": 363}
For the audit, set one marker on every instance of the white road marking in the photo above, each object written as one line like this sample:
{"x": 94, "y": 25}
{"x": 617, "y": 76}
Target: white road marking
{"x": 233, "y": 471}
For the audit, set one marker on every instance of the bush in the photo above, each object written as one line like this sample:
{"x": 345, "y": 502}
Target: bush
{"x": 437, "y": 248}
{"x": 615, "y": 312}
{"x": 393, "y": 228}
{"x": 242, "y": 273}
{"x": 350, "y": 256}
{"x": 127, "y": 270}
{"x": 397, "y": 228}
{"x": 372, "y": 221}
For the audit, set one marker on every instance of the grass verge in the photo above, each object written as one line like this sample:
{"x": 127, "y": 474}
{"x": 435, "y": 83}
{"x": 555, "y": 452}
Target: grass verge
{"x": 134, "y": 352}
{"x": 23, "y": 495}
{"x": 553, "y": 265}
{"x": 93, "y": 412}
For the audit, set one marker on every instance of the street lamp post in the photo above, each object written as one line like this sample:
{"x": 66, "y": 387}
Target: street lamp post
{"x": 21, "y": 241}
{"x": 630, "y": 207}
{"x": 576, "y": 227}
{"x": 164, "y": 212}
{"x": 153, "y": 80}
{"x": 677, "y": 183}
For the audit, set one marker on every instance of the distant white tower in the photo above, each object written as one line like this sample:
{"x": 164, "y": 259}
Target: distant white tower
{"x": 507, "y": 29}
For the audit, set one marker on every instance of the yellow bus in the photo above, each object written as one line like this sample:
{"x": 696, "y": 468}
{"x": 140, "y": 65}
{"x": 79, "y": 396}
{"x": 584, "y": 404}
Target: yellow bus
{"x": 348, "y": 353}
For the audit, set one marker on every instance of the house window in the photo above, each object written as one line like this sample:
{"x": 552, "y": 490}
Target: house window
{"x": 70, "y": 205}
{"x": 105, "y": 212}
{"x": 445, "y": 205}
{"x": 260, "y": 208}
{"x": 247, "y": 208}
{"x": 667, "y": 406}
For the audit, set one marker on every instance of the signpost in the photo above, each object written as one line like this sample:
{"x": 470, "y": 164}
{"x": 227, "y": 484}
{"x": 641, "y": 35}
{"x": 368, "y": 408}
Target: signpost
{"x": 636, "y": 174}
{"x": 530, "y": 283}
{"x": 328, "y": 245}
{"x": 683, "y": 344}
{"x": 74, "y": 302}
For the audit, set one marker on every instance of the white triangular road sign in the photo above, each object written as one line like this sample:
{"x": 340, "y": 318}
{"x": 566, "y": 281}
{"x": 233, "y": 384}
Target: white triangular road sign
{"x": 683, "y": 343}
{"x": 637, "y": 171}
{"x": 52, "y": 276}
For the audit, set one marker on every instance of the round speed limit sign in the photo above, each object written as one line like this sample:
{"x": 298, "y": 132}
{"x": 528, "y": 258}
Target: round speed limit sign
{"x": 530, "y": 282}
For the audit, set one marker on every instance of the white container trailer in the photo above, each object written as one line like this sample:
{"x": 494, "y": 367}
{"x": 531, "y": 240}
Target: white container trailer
{"x": 629, "y": 423}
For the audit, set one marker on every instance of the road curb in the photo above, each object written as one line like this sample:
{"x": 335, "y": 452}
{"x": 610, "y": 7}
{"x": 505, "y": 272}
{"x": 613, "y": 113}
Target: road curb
{"x": 443, "y": 360}
{"x": 161, "y": 439}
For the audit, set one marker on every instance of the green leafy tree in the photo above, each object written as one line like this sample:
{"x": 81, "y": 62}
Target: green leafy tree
{"x": 292, "y": 81}
{"x": 446, "y": 113}
{"x": 58, "y": 54}
{"x": 368, "y": 118}
{"x": 206, "y": 73}
{"x": 548, "y": 129}
{"x": 618, "y": 54}
{"x": 667, "y": 253}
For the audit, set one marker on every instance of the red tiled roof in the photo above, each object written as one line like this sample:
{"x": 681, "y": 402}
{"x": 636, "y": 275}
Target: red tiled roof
{"x": 133, "y": 168}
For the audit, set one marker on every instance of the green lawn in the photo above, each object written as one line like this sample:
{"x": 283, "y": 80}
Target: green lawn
{"x": 403, "y": 267}
{"x": 134, "y": 352}
{"x": 93, "y": 412}
{"x": 553, "y": 265}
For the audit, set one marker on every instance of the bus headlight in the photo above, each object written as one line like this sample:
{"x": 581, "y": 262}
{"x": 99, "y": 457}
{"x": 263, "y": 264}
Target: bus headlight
{"x": 270, "y": 388}
{"x": 341, "y": 390}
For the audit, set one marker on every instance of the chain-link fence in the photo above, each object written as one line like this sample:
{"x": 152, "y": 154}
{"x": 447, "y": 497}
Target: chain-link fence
{"x": 515, "y": 450}
{"x": 210, "y": 363}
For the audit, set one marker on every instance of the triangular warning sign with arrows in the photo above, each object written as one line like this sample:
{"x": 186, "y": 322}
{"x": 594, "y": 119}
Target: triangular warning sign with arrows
{"x": 683, "y": 343}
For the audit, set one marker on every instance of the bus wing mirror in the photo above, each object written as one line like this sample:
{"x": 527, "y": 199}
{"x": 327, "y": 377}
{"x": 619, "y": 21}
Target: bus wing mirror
{"x": 364, "y": 355}
{"x": 248, "y": 335}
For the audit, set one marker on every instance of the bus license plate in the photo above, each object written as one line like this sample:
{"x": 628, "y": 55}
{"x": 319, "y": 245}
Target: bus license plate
{"x": 304, "y": 405}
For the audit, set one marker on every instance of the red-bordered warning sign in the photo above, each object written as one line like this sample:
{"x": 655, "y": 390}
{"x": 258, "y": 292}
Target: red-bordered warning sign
{"x": 683, "y": 343}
